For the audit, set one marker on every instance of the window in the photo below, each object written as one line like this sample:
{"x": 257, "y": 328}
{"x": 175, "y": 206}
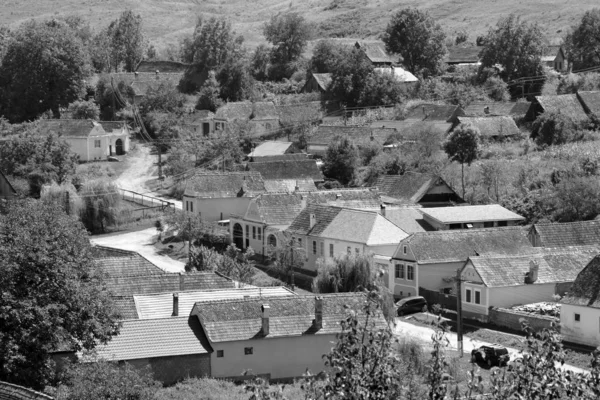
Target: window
{"x": 97, "y": 143}
{"x": 502, "y": 223}
{"x": 247, "y": 231}
{"x": 322, "y": 249}
{"x": 488, "y": 224}
{"x": 259, "y": 229}
{"x": 399, "y": 271}
{"x": 468, "y": 296}
{"x": 577, "y": 317}
{"x": 248, "y": 350}
{"x": 220, "y": 353}
{"x": 314, "y": 246}
{"x": 191, "y": 206}
{"x": 477, "y": 297}
{"x": 404, "y": 249}
{"x": 300, "y": 242}
{"x": 357, "y": 250}
{"x": 253, "y": 232}
{"x": 349, "y": 250}
{"x": 268, "y": 126}
{"x": 410, "y": 273}
{"x": 187, "y": 205}
{"x": 455, "y": 226}
{"x": 330, "y": 249}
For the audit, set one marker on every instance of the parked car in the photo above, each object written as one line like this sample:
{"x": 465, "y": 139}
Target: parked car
{"x": 411, "y": 304}
{"x": 491, "y": 355}
{"x": 113, "y": 159}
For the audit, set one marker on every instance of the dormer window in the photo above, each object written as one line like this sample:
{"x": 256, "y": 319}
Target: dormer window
{"x": 405, "y": 249}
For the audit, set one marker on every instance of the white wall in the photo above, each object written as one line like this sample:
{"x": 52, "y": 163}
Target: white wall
{"x": 507, "y": 297}
{"x": 213, "y": 210}
{"x": 586, "y": 331}
{"x": 482, "y": 307}
{"x": 79, "y": 146}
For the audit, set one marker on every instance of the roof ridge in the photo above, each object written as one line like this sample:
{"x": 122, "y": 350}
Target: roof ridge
{"x": 466, "y": 231}
{"x": 157, "y": 319}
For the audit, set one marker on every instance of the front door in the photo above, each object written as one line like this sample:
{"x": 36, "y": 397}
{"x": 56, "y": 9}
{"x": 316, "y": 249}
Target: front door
{"x": 119, "y": 147}
{"x": 206, "y": 129}
{"x": 110, "y": 150}
{"x": 238, "y": 236}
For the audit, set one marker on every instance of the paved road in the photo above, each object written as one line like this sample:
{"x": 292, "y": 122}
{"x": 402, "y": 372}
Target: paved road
{"x": 423, "y": 334}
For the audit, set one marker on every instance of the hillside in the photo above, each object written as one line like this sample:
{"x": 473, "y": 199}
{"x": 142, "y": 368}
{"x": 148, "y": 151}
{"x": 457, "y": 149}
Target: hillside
{"x": 166, "y": 21}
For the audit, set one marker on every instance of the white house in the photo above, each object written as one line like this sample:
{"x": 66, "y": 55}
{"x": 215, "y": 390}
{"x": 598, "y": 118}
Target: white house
{"x": 469, "y": 217}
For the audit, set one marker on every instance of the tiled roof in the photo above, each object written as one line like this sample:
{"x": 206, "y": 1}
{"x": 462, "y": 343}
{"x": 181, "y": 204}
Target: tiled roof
{"x": 10, "y": 391}
{"x": 409, "y": 219}
{"x": 492, "y": 126}
{"x": 409, "y": 188}
{"x": 264, "y": 110}
{"x": 167, "y": 282}
{"x": 110, "y": 126}
{"x": 71, "y": 127}
{"x": 458, "y": 245}
{"x": 462, "y": 55}
{"x": 580, "y": 233}
{"x": 225, "y": 184}
{"x": 364, "y": 199}
{"x": 399, "y": 73}
{"x": 520, "y": 109}
{"x": 130, "y": 77}
{"x": 566, "y": 104}
{"x": 289, "y": 169}
{"x": 275, "y": 208}
{"x": 260, "y": 110}
{"x": 160, "y": 305}
{"x": 151, "y": 338}
{"x": 126, "y": 306}
{"x": 494, "y": 108}
{"x": 281, "y": 157}
{"x": 591, "y": 101}
{"x": 124, "y": 264}
{"x": 358, "y": 134}
{"x": 367, "y": 227}
{"x": 233, "y": 320}
{"x": 567, "y": 262}
{"x": 10, "y": 190}
{"x": 480, "y": 213}
{"x": 289, "y": 185}
{"x": 585, "y": 290}
{"x": 323, "y": 80}
{"x": 270, "y": 148}
{"x": 293, "y": 114}
{"x": 197, "y": 117}
{"x": 432, "y": 112}
{"x": 375, "y": 51}
{"x": 161, "y": 66}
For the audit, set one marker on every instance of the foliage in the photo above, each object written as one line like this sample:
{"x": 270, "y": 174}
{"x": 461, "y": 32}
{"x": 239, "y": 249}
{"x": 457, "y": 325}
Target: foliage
{"x": 52, "y": 293}
{"x": 496, "y": 89}
{"x": 43, "y": 69}
{"x": 107, "y": 380}
{"x": 428, "y": 139}
{"x": 100, "y": 205}
{"x": 288, "y": 33}
{"x": 573, "y": 83}
{"x": 164, "y": 98}
{"x": 460, "y": 93}
{"x": 382, "y": 89}
{"x": 552, "y": 128}
{"x": 418, "y": 39}
{"x": 260, "y": 62}
{"x": 208, "y": 97}
{"x": 84, "y": 110}
{"x": 179, "y": 161}
{"x": 583, "y": 42}
{"x": 349, "y": 77}
{"x": 235, "y": 80}
{"x": 232, "y": 263}
{"x": 106, "y": 97}
{"x": 127, "y": 41}
{"x": 462, "y": 145}
{"x": 288, "y": 255}
{"x": 326, "y": 56}
{"x": 574, "y": 199}
{"x": 518, "y": 48}
{"x": 341, "y": 160}
{"x": 100, "y": 51}
{"x": 347, "y": 273}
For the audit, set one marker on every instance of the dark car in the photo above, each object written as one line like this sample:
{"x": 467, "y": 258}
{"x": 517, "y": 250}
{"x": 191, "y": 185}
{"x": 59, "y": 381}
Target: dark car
{"x": 411, "y": 304}
{"x": 490, "y": 355}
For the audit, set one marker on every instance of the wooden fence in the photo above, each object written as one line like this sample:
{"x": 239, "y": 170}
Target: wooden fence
{"x": 148, "y": 202}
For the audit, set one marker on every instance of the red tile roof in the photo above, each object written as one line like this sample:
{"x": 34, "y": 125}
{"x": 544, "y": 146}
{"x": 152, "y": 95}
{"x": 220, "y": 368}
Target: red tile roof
{"x": 10, "y": 391}
{"x": 288, "y": 169}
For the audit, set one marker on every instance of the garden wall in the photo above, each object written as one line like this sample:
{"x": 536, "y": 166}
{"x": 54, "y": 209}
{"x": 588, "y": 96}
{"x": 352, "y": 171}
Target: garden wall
{"x": 511, "y": 319}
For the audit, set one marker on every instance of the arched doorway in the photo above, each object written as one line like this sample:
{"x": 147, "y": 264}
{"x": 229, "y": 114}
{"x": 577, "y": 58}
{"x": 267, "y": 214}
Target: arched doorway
{"x": 238, "y": 236}
{"x": 119, "y": 147}
{"x": 272, "y": 241}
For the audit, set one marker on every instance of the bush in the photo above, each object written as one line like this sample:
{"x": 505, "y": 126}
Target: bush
{"x": 552, "y": 128}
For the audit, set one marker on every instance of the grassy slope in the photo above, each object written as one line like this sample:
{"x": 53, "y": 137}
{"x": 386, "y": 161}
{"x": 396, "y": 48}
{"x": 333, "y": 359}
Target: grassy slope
{"x": 168, "y": 20}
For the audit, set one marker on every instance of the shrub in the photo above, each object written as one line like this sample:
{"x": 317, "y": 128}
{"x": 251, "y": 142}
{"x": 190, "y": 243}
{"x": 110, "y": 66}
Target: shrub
{"x": 552, "y": 128}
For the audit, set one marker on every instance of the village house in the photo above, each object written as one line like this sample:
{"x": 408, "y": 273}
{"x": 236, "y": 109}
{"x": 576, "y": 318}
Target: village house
{"x": 374, "y": 51}
{"x": 469, "y": 217}
{"x": 10, "y": 391}
{"x": 566, "y": 104}
{"x": 590, "y": 101}
{"x": 325, "y": 232}
{"x": 277, "y": 337}
{"x": 317, "y": 83}
{"x": 262, "y": 117}
{"x": 516, "y": 111}
{"x": 580, "y": 308}
{"x": 581, "y": 233}
{"x": 289, "y": 185}
{"x": 199, "y": 122}
{"x": 273, "y": 148}
{"x": 88, "y": 139}
{"x": 7, "y": 191}
{"x": 442, "y": 116}
{"x": 491, "y": 128}
{"x": 287, "y": 169}
{"x": 429, "y": 260}
{"x": 463, "y": 56}
{"x": 555, "y": 58}
{"x": 361, "y": 136}
{"x": 409, "y": 219}
{"x": 356, "y": 198}
{"x": 505, "y": 281}
{"x": 414, "y": 188}
{"x": 163, "y": 66}
{"x": 217, "y": 195}
{"x": 266, "y": 215}
{"x": 293, "y": 115}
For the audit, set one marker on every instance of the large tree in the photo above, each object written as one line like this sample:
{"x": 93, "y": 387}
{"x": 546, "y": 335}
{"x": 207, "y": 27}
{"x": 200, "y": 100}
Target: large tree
{"x": 212, "y": 43}
{"x": 583, "y": 42}
{"x": 518, "y": 48}
{"x": 127, "y": 41}
{"x": 348, "y": 80}
{"x": 418, "y": 39}
{"x": 288, "y": 33}
{"x": 462, "y": 145}
{"x": 327, "y": 54}
{"x": 43, "y": 69}
{"x": 52, "y": 294}
{"x": 341, "y": 160}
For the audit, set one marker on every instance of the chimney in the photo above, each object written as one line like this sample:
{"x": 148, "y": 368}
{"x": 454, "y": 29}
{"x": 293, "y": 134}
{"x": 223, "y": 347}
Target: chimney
{"x": 181, "y": 281}
{"x": 318, "y": 312}
{"x": 382, "y": 210}
{"x": 486, "y": 109}
{"x": 265, "y": 319}
{"x": 532, "y": 275}
{"x": 313, "y": 220}
{"x": 175, "y": 305}
{"x": 157, "y": 74}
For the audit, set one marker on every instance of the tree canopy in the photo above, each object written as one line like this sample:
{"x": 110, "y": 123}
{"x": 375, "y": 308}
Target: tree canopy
{"x": 288, "y": 33}
{"x": 127, "y": 41}
{"x": 52, "y": 294}
{"x": 416, "y": 36}
{"x": 462, "y": 145}
{"x": 583, "y": 42}
{"x": 43, "y": 69}
{"x": 341, "y": 160}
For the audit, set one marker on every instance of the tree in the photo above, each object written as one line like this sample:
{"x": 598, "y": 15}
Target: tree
{"x": 428, "y": 139}
{"x": 583, "y": 42}
{"x": 105, "y": 97}
{"x": 289, "y": 34}
{"x": 127, "y": 41}
{"x": 418, "y": 39}
{"x": 517, "y": 47}
{"x": 462, "y": 145}
{"x": 100, "y": 51}
{"x": 349, "y": 78}
{"x": 164, "y": 98}
{"x": 84, "y": 110}
{"x": 288, "y": 255}
{"x": 326, "y": 56}
{"x": 341, "y": 160}
{"x": 100, "y": 205}
{"x": 235, "y": 80}
{"x": 52, "y": 292}
{"x": 552, "y": 128}
{"x": 43, "y": 69}
{"x": 260, "y": 62}
{"x": 381, "y": 89}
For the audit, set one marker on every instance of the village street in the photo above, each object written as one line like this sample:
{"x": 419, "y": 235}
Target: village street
{"x": 423, "y": 334}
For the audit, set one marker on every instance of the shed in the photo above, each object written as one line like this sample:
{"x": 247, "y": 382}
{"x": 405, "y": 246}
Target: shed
{"x": 492, "y": 128}
{"x": 566, "y": 104}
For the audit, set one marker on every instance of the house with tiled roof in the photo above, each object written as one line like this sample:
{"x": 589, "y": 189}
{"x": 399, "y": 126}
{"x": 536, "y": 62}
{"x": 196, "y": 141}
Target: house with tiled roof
{"x": 290, "y": 185}
{"x": 356, "y": 198}
{"x": 425, "y": 190}
{"x": 360, "y": 135}
{"x": 266, "y": 215}
{"x": 317, "y": 83}
{"x": 509, "y": 280}
{"x": 87, "y": 138}
{"x": 325, "y": 232}
{"x": 580, "y": 307}
{"x": 291, "y": 115}
{"x": 262, "y": 116}
{"x": 469, "y": 217}
{"x": 462, "y": 55}
{"x": 272, "y": 148}
{"x": 565, "y": 104}
{"x": 554, "y": 234}
{"x": 491, "y": 128}
{"x": 217, "y": 195}
{"x": 10, "y": 391}
{"x": 200, "y": 122}
{"x": 409, "y": 219}
{"x": 7, "y": 191}
{"x": 430, "y": 260}
{"x": 590, "y": 101}
{"x": 374, "y": 51}
{"x": 555, "y": 58}
{"x": 276, "y": 337}
{"x": 498, "y": 109}
{"x": 287, "y": 169}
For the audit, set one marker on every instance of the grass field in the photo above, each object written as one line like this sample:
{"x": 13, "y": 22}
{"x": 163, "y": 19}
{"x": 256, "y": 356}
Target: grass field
{"x": 167, "y": 21}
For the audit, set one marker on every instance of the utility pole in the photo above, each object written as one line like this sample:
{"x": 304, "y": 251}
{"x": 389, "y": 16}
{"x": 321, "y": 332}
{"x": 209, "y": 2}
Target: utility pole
{"x": 459, "y": 330}
{"x": 160, "y": 175}
{"x": 189, "y": 241}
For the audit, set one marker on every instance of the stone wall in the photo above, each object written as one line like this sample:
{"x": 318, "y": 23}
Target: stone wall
{"x": 511, "y": 319}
